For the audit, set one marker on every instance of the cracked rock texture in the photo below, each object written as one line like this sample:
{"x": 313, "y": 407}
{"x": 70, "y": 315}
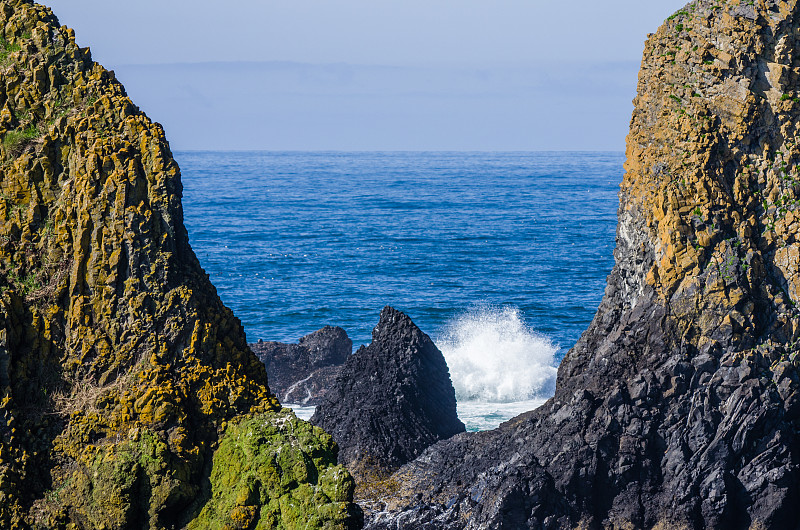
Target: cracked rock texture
{"x": 679, "y": 406}
{"x": 391, "y": 399}
{"x": 302, "y": 373}
{"x": 122, "y": 375}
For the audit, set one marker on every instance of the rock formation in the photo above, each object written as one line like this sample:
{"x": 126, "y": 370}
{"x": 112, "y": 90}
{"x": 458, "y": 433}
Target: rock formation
{"x": 302, "y": 373}
{"x": 679, "y": 406}
{"x": 391, "y": 400}
{"x": 125, "y": 384}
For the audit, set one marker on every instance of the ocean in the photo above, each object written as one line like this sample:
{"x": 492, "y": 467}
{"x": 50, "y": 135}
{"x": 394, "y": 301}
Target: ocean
{"x": 501, "y": 258}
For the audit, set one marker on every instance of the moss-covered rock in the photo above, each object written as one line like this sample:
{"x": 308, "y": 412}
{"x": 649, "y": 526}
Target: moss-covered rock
{"x": 275, "y": 471}
{"x": 119, "y": 365}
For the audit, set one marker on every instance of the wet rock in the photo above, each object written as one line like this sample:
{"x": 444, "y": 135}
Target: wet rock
{"x": 302, "y": 373}
{"x": 392, "y": 399}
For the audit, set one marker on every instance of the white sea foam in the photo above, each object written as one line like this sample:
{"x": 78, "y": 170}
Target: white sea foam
{"x": 494, "y": 357}
{"x": 483, "y": 416}
{"x": 304, "y": 412}
{"x": 500, "y": 367}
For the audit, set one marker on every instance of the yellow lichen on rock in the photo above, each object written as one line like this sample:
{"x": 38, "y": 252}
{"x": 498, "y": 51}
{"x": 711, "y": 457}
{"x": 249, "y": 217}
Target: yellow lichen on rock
{"x": 119, "y": 366}
{"x": 713, "y": 168}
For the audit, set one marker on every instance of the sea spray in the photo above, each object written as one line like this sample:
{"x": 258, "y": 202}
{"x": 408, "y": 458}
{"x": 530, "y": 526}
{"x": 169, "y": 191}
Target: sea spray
{"x": 494, "y": 356}
{"x": 499, "y": 366}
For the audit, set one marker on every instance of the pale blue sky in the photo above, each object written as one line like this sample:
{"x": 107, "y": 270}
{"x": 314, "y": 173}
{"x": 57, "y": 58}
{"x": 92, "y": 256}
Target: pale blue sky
{"x": 376, "y": 75}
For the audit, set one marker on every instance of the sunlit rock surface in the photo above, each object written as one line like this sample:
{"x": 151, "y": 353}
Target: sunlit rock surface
{"x": 122, "y": 375}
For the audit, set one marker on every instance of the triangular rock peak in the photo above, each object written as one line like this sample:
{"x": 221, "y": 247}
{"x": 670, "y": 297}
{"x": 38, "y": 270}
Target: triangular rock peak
{"x": 120, "y": 369}
{"x": 391, "y": 400}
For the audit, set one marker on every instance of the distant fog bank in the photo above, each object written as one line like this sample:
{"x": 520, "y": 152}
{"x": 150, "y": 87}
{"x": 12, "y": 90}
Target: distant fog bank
{"x": 297, "y": 106}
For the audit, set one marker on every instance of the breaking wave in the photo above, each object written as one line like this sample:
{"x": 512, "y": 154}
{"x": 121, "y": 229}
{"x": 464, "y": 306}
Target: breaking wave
{"x": 494, "y": 357}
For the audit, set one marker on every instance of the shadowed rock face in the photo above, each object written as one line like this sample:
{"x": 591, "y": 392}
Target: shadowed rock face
{"x": 679, "y": 406}
{"x": 391, "y": 400}
{"x": 303, "y": 373}
{"x": 120, "y": 369}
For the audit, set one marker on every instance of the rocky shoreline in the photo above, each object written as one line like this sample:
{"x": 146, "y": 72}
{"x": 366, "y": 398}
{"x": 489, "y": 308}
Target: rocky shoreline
{"x": 130, "y": 399}
{"x": 679, "y": 407}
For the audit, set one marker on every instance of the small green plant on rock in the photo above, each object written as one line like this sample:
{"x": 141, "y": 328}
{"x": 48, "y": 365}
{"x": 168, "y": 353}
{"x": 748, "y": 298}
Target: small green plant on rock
{"x": 6, "y": 49}
{"x": 15, "y": 141}
{"x": 48, "y": 229}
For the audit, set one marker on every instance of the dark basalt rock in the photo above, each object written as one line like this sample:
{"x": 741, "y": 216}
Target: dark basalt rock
{"x": 679, "y": 407}
{"x": 303, "y": 373}
{"x": 392, "y": 399}
{"x": 329, "y": 346}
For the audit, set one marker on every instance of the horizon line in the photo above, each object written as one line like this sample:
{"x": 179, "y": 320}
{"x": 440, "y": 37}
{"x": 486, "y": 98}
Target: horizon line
{"x": 561, "y": 151}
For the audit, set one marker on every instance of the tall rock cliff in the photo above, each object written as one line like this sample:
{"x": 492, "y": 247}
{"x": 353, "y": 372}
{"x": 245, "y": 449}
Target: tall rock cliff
{"x": 679, "y": 406}
{"x": 128, "y": 395}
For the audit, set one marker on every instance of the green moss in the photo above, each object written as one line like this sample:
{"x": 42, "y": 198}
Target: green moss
{"x": 14, "y": 140}
{"x": 275, "y": 471}
{"x": 6, "y": 49}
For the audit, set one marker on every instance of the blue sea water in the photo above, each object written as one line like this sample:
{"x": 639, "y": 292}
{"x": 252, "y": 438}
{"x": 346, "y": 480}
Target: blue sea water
{"x": 500, "y": 257}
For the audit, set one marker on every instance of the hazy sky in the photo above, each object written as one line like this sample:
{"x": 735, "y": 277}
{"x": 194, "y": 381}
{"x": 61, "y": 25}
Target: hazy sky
{"x": 376, "y": 74}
